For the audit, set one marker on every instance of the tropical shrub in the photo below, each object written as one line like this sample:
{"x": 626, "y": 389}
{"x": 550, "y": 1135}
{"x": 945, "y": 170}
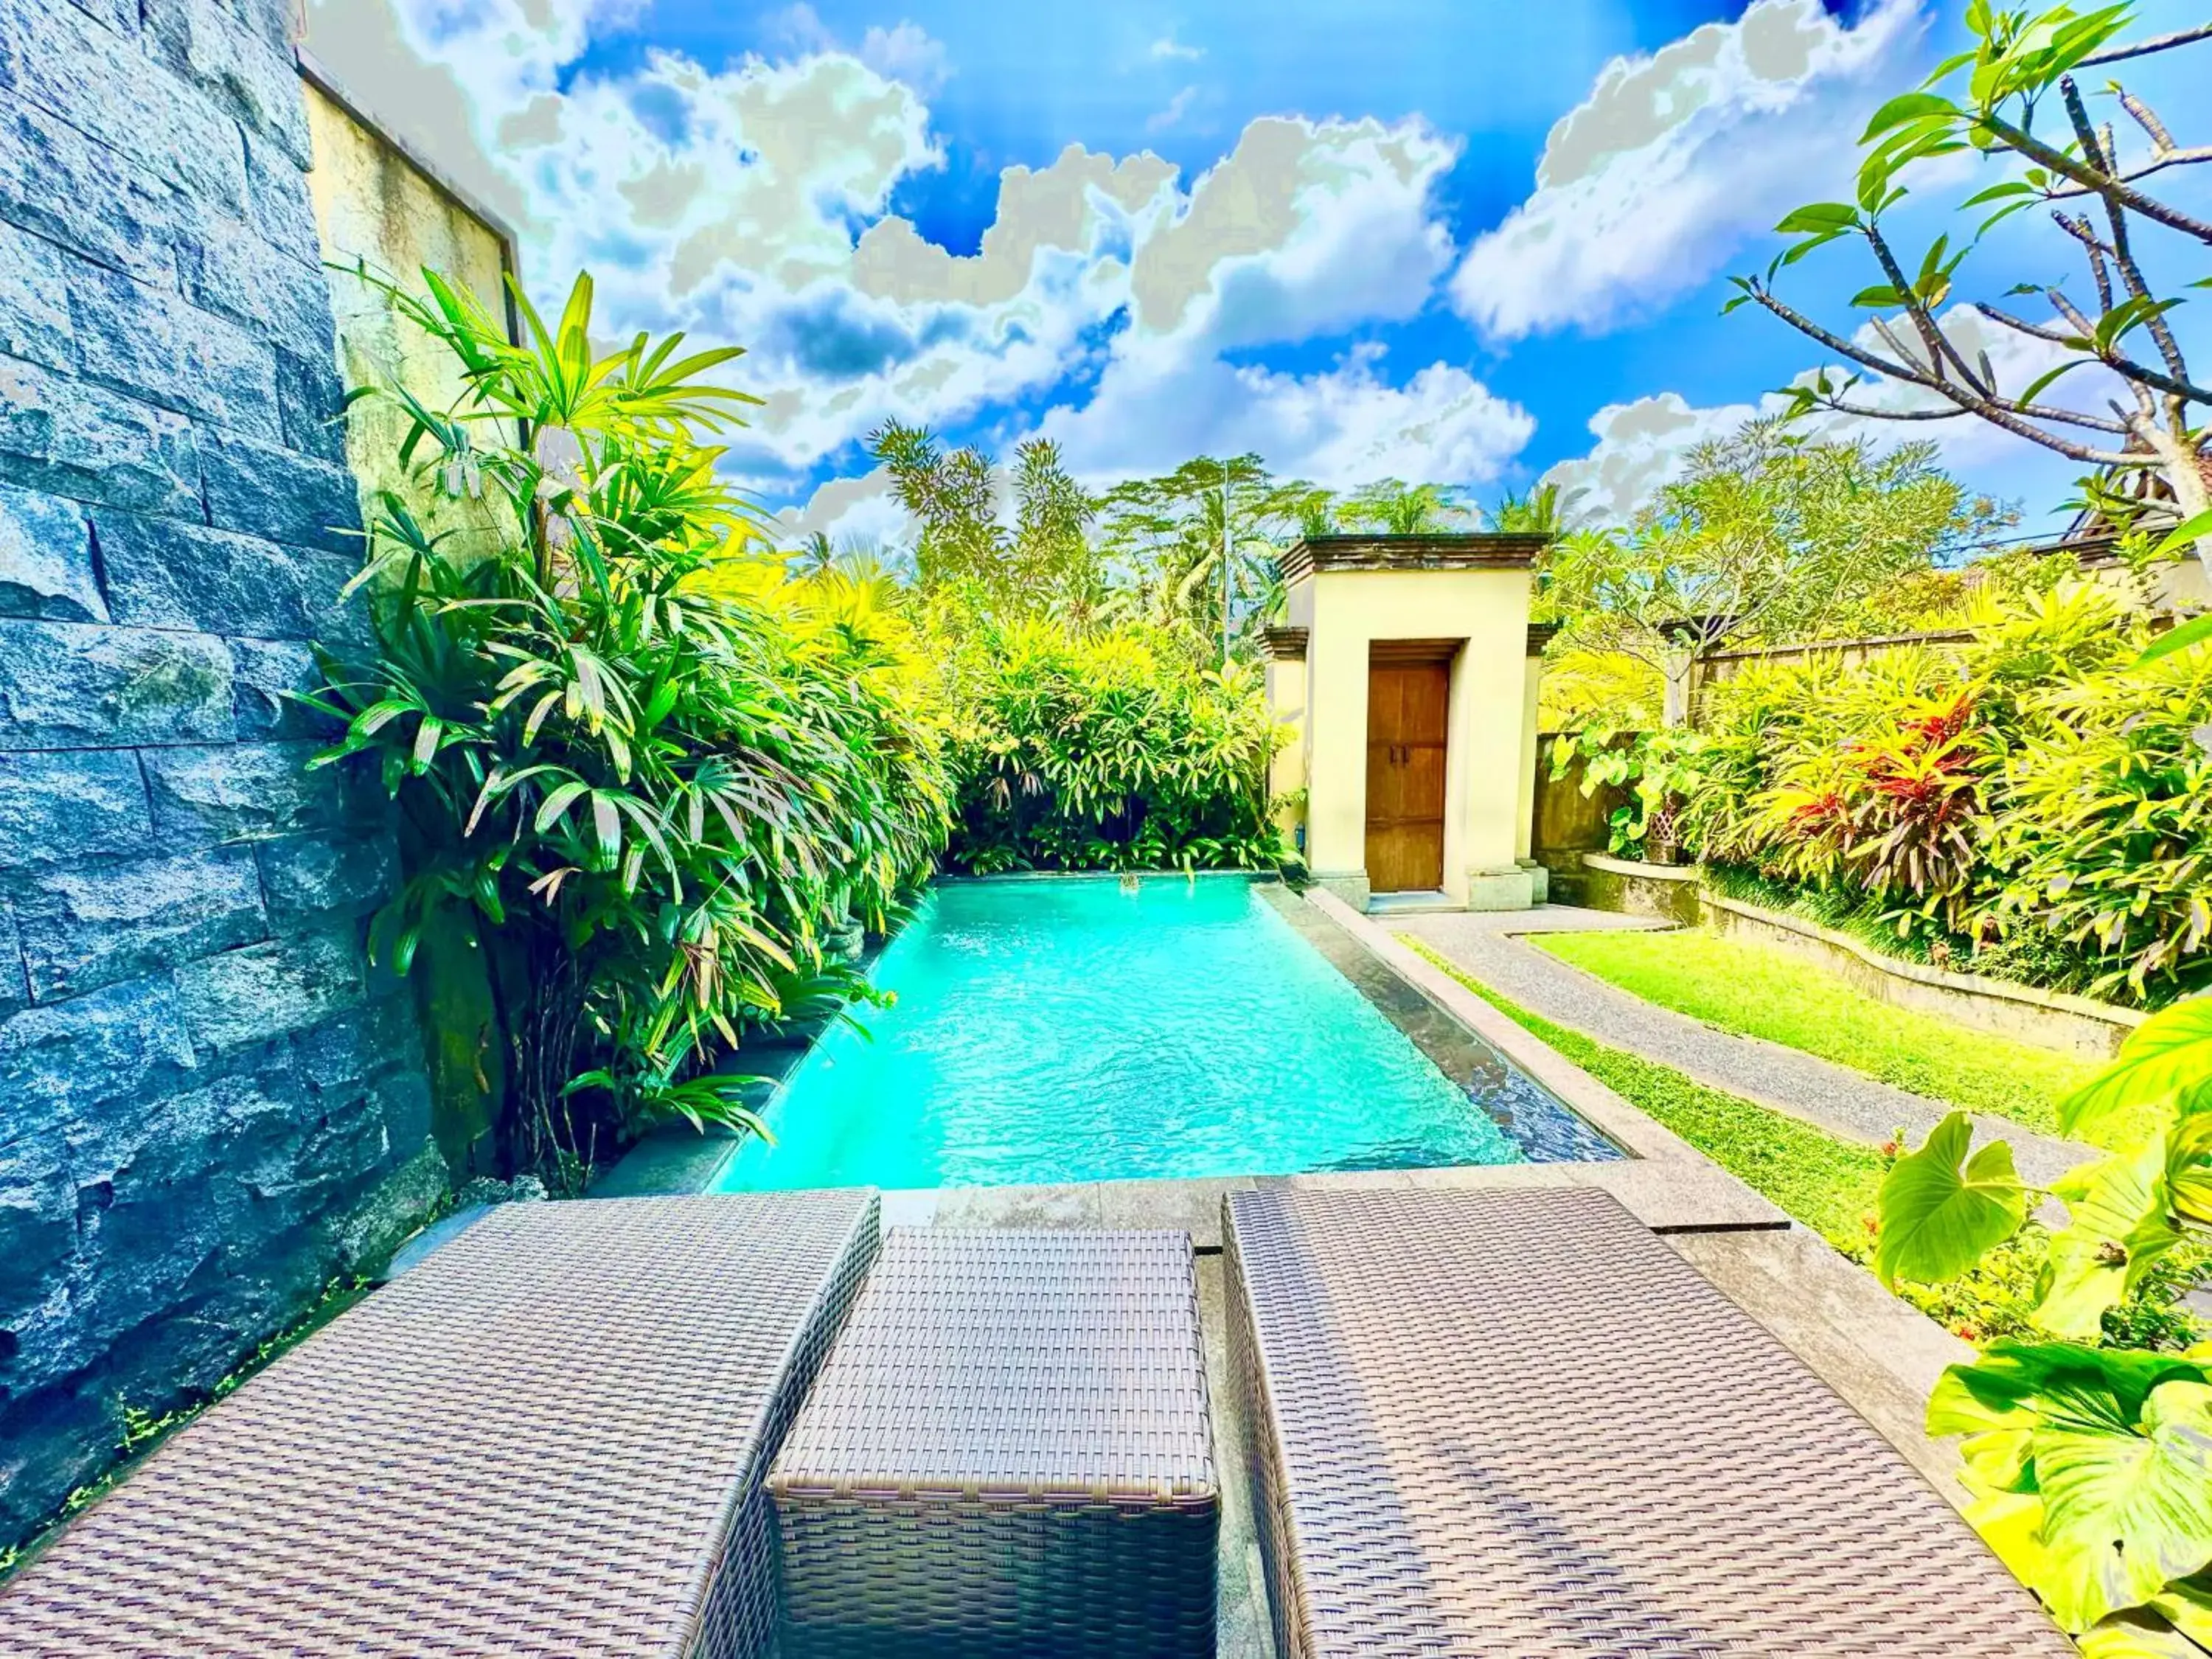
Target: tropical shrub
{"x": 2090, "y": 1466}
{"x": 1767, "y": 535}
{"x": 1890, "y": 810}
{"x": 1106, "y": 750}
{"x": 648, "y": 791}
{"x": 2033, "y": 805}
{"x": 2104, "y": 840}
{"x": 1659, "y": 770}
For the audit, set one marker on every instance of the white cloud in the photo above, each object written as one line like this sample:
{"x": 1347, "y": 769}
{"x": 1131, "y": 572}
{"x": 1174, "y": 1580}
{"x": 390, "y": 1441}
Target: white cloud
{"x": 1168, "y": 49}
{"x": 1643, "y": 445}
{"x": 907, "y": 52}
{"x": 751, "y": 204}
{"x": 851, "y": 511}
{"x": 1174, "y": 110}
{"x": 799, "y": 28}
{"x": 1658, "y": 177}
{"x": 1305, "y": 229}
{"x": 1343, "y": 427}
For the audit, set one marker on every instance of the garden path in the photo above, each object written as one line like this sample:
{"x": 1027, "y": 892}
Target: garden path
{"x": 1487, "y": 945}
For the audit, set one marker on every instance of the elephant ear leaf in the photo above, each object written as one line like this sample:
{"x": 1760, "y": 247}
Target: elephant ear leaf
{"x": 2128, "y": 1509}
{"x": 2187, "y": 1606}
{"x": 2168, "y": 1058}
{"x": 2119, "y": 1223}
{"x": 2189, "y": 1170}
{"x": 1941, "y": 1211}
{"x": 2138, "y": 1633}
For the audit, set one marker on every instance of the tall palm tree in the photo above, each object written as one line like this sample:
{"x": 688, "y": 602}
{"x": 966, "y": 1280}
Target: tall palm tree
{"x": 1542, "y": 511}
{"x": 1398, "y": 508}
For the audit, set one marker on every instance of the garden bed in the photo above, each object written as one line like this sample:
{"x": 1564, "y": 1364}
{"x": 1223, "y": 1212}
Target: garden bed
{"x": 1828, "y": 1184}
{"x": 2048, "y": 1019}
{"x": 2028, "y": 1014}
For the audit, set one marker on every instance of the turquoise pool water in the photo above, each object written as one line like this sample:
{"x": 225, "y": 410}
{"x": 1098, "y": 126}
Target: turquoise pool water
{"x": 1092, "y": 1030}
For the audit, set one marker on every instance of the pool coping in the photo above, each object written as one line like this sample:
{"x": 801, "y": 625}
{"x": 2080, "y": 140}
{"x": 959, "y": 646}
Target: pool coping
{"x": 1663, "y": 1181}
{"x": 963, "y": 878}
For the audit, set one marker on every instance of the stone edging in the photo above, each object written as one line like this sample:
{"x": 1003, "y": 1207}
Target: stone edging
{"x": 1687, "y": 1191}
{"x": 1613, "y": 866}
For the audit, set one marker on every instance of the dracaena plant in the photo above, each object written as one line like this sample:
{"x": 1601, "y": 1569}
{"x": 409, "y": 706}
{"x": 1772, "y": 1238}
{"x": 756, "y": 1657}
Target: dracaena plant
{"x": 648, "y": 793}
{"x": 2090, "y": 1466}
{"x": 2104, "y": 838}
{"x": 1892, "y": 810}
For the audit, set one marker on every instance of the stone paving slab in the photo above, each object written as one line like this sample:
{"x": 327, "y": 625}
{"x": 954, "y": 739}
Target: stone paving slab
{"x": 1833, "y": 1097}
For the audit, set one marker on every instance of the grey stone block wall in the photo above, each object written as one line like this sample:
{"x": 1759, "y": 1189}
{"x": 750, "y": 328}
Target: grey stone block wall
{"x": 210, "y": 1102}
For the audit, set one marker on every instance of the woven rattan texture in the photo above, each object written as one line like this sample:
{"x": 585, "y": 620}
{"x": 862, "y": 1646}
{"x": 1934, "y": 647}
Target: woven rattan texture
{"x": 1518, "y": 1424}
{"x": 549, "y": 1439}
{"x": 1029, "y": 1364}
{"x": 1008, "y": 1454}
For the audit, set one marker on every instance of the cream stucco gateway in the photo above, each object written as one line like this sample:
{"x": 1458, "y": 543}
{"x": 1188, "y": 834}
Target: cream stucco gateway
{"x": 1403, "y": 672}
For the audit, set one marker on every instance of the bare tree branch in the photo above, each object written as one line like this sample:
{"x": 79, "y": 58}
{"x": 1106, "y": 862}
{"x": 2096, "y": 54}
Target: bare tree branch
{"x": 2117, "y": 217}
{"x": 2022, "y": 325}
{"x": 2143, "y": 48}
{"x": 1839, "y": 345}
{"x": 1966, "y": 404}
{"x": 2125, "y": 366}
{"x": 1937, "y": 343}
{"x": 1835, "y": 402}
{"x": 2161, "y": 141}
{"x": 2093, "y": 182}
{"x": 2180, "y": 158}
{"x": 2072, "y": 313}
{"x": 2013, "y": 418}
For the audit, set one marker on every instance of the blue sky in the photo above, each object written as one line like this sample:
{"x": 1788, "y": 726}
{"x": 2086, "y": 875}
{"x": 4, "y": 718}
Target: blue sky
{"x": 1476, "y": 243}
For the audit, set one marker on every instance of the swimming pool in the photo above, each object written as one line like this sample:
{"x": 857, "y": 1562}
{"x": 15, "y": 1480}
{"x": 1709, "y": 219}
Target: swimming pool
{"x": 1074, "y": 1028}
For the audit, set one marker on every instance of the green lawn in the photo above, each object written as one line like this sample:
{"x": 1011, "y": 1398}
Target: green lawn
{"x": 1828, "y": 1184}
{"x": 1758, "y": 991}
{"x": 1824, "y": 1182}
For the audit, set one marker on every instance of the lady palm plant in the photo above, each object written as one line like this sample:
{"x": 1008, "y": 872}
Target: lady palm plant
{"x": 649, "y": 794}
{"x": 1110, "y": 751}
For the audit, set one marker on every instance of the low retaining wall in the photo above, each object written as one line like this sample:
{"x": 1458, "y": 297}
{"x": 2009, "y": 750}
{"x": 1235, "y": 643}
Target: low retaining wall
{"x": 1676, "y": 893}
{"x": 2048, "y": 1019}
{"x": 1668, "y": 891}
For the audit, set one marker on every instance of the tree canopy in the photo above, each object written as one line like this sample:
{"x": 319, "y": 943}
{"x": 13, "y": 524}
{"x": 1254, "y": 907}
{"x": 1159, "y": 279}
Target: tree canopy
{"x": 1769, "y": 534}
{"x": 1029, "y": 539}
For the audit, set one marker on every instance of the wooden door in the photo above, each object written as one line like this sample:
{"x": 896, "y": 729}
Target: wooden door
{"x": 1407, "y": 722}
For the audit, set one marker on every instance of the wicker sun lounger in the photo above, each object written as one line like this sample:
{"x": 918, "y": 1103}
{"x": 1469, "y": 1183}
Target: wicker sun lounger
{"x": 1007, "y": 1454}
{"x": 548, "y": 1440}
{"x": 1518, "y": 1424}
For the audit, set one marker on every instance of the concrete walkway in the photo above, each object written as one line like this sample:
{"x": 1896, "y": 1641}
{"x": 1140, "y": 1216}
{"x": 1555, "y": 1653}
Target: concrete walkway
{"x": 1488, "y": 947}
